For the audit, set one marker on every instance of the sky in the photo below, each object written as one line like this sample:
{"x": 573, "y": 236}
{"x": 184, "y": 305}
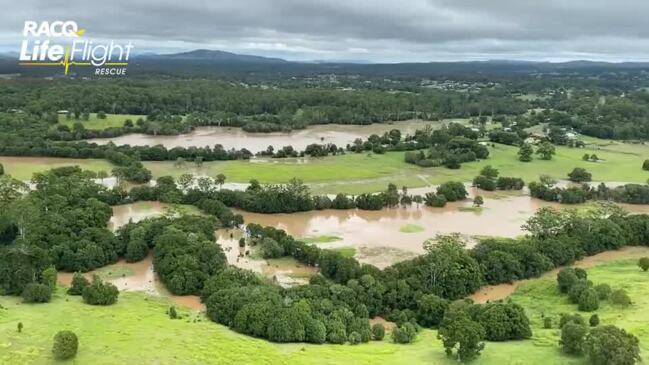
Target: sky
{"x": 356, "y": 30}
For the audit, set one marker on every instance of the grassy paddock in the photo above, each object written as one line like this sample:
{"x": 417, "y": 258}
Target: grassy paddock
{"x": 137, "y": 330}
{"x": 94, "y": 123}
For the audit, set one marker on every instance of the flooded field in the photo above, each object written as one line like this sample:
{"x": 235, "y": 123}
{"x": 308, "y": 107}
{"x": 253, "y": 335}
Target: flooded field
{"x": 230, "y": 137}
{"x": 380, "y": 238}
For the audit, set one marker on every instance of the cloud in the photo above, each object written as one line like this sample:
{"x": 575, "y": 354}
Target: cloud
{"x": 378, "y": 30}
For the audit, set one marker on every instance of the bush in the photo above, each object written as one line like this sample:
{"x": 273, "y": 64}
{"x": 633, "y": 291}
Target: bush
{"x": 572, "y": 338}
{"x": 65, "y": 345}
{"x": 577, "y": 289}
{"x": 571, "y": 318}
{"x": 378, "y": 332}
{"x": 435, "y": 200}
{"x": 609, "y": 345}
{"x": 594, "y": 320}
{"x": 37, "y": 293}
{"x": 315, "y": 331}
{"x": 100, "y": 293}
{"x": 484, "y": 183}
{"x": 452, "y": 191}
{"x": 270, "y": 249}
{"x": 49, "y": 278}
{"x": 643, "y": 263}
{"x": 603, "y": 291}
{"x": 173, "y": 314}
{"x": 566, "y": 278}
{"x": 579, "y": 174}
{"x": 354, "y": 338}
{"x": 645, "y": 165}
{"x": 621, "y": 298}
{"x": 405, "y": 333}
{"x": 78, "y": 283}
{"x": 547, "y": 322}
{"x": 588, "y": 300}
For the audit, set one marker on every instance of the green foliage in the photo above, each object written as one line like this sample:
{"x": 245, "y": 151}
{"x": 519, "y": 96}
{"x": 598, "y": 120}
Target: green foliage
{"x": 525, "y": 153}
{"x": 316, "y": 332}
{"x": 645, "y": 165}
{"x": 566, "y": 278}
{"x": 572, "y": 338}
{"x": 173, "y": 314}
{"x": 503, "y": 322}
{"x": 547, "y": 322}
{"x": 430, "y": 310}
{"x": 579, "y": 174}
{"x": 99, "y": 292}
{"x": 65, "y": 345}
{"x": 580, "y": 286}
{"x": 546, "y": 150}
{"x": 355, "y": 338}
{"x": 460, "y": 333}
{"x": 588, "y": 300}
{"x": 270, "y": 249}
{"x": 593, "y": 321}
{"x": 78, "y": 283}
{"x": 136, "y": 247}
{"x": 643, "y": 263}
{"x": 571, "y": 318}
{"x": 452, "y": 191}
{"x": 378, "y": 332}
{"x": 609, "y": 345}
{"x": 49, "y": 278}
{"x": 37, "y": 293}
{"x": 435, "y": 200}
{"x": 603, "y": 291}
{"x": 620, "y": 297}
{"x": 405, "y": 333}
{"x": 478, "y": 201}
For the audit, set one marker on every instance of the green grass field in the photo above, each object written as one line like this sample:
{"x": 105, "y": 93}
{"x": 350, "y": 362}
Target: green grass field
{"x": 23, "y": 168}
{"x": 355, "y": 173}
{"x": 94, "y": 123}
{"x": 358, "y": 173}
{"x": 137, "y": 330}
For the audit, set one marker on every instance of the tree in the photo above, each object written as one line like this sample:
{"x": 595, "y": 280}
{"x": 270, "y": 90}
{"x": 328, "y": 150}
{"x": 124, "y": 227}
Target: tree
{"x": 489, "y": 172}
{"x": 566, "y": 278}
{"x": 354, "y": 338}
{"x": 459, "y": 332}
{"x": 609, "y": 345}
{"x": 2, "y": 169}
{"x": 643, "y": 263}
{"x": 430, "y": 310}
{"x": 315, "y": 331}
{"x": 378, "y": 332}
{"x": 593, "y": 320}
{"x": 19, "y": 327}
{"x": 603, "y": 291}
{"x": 220, "y": 180}
{"x": 101, "y": 114}
{"x": 645, "y": 165}
{"x": 452, "y": 191}
{"x": 65, "y": 346}
{"x": 588, "y": 300}
{"x": 78, "y": 283}
{"x": 572, "y": 338}
{"x": 173, "y": 314}
{"x": 620, "y": 297}
{"x": 478, "y": 201}
{"x": 545, "y": 150}
{"x": 525, "y": 152}
{"x": 547, "y": 322}
{"x": 405, "y": 333}
{"x": 579, "y": 174}
{"x": 37, "y": 293}
{"x": 100, "y": 293}
{"x": 49, "y": 277}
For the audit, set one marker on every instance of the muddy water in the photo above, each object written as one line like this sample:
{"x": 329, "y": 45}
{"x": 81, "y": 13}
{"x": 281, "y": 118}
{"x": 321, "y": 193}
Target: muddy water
{"x": 136, "y": 212}
{"x": 236, "y": 138}
{"x": 502, "y": 291}
{"x": 138, "y": 276}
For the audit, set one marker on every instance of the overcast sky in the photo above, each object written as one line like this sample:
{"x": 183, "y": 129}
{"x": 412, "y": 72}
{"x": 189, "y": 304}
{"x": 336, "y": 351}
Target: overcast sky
{"x": 374, "y": 30}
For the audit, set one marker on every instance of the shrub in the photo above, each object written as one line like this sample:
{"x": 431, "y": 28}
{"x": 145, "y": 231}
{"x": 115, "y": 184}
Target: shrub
{"x": 100, "y": 293}
{"x": 594, "y": 320}
{"x": 603, "y": 291}
{"x": 435, "y": 200}
{"x": 547, "y": 322}
{"x": 173, "y": 314}
{"x": 315, "y": 331}
{"x": 609, "y": 345}
{"x": 588, "y": 300}
{"x": 645, "y": 165}
{"x": 452, "y": 191}
{"x": 65, "y": 345}
{"x": 572, "y": 338}
{"x": 621, "y": 298}
{"x": 378, "y": 332}
{"x": 49, "y": 278}
{"x": 566, "y": 278}
{"x": 37, "y": 293}
{"x": 579, "y": 174}
{"x": 354, "y": 338}
{"x": 577, "y": 288}
{"x": 643, "y": 263}
{"x": 405, "y": 333}
{"x": 571, "y": 318}
{"x": 78, "y": 283}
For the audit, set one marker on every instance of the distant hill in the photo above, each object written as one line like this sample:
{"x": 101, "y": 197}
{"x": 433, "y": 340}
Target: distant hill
{"x": 219, "y": 56}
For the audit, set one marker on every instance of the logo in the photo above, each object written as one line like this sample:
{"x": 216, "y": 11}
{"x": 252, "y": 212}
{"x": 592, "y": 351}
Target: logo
{"x": 60, "y": 44}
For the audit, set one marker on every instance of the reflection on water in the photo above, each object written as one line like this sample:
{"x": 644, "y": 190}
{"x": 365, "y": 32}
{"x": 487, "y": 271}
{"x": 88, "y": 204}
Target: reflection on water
{"x": 236, "y": 138}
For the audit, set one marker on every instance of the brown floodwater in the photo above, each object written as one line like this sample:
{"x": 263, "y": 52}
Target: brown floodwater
{"x": 502, "y": 291}
{"x": 231, "y": 137}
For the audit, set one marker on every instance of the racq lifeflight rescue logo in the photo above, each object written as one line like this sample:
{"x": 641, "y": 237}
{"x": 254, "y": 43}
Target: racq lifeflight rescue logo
{"x": 60, "y": 43}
